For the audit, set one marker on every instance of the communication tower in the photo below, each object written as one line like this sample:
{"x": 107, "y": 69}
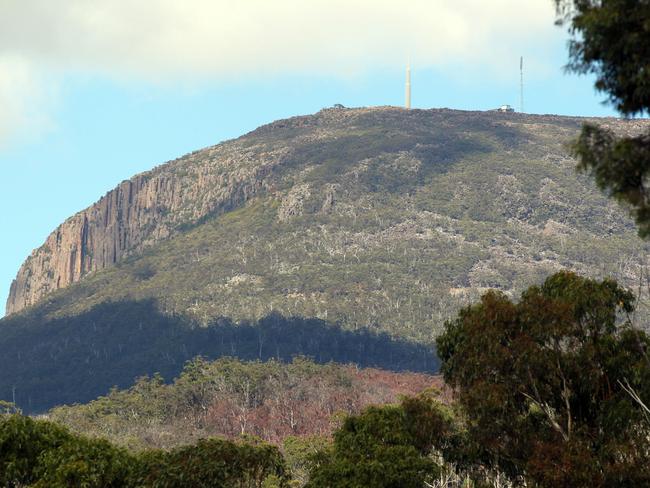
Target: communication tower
{"x": 521, "y": 84}
{"x": 407, "y": 88}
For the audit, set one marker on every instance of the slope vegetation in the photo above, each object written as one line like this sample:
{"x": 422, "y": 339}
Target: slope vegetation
{"x": 373, "y": 221}
{"x": 230, "y": 398}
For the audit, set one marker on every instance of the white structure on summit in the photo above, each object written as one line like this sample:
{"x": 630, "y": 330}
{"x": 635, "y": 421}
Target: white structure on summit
{"x": 521, "y": 84}
{"x": 407, "y": 95}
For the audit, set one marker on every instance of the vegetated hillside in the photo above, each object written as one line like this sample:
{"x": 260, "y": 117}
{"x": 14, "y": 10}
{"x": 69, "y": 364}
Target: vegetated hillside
{"x": 380, "y": 220}
{"x": 230, "y": 398}
{"x": 369, "y": 216}
{"x": 78, "y": 358}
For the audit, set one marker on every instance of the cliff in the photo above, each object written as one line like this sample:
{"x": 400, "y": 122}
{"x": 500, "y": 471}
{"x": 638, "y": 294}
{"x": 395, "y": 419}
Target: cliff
{"x": 138, "y": 213}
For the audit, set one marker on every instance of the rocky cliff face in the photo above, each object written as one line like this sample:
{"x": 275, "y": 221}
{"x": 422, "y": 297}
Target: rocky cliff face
{"x": 137, "y": 213}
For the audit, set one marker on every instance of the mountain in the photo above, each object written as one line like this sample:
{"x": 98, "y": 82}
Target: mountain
{"x": 368, "y": 221}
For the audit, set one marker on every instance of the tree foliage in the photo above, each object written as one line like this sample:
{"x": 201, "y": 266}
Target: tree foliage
{"x": 553, "y": 386}
{"x": 620, "y": 166}
{"x": 230, "y": 398}
{"x": 611, "y": 39}
{"x": 384, "y": 447}
{"x": 86, "y": 463}
{"x": 214, "y": 463}
{"x": 22, "y": 442}
{"x": 41, "y": 454}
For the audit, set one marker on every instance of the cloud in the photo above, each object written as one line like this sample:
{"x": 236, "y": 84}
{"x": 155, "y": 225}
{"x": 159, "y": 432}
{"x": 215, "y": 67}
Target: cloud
{"x": 23, "y": 99}
{"x": 226, "y": 40}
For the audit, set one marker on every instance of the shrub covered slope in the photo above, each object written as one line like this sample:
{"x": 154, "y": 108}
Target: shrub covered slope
{"x": 379, "y": 220}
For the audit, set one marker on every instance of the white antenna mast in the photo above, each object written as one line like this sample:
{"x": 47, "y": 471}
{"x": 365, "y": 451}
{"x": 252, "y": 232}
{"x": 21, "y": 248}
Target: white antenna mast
{"x": 521, "y": 84}
{"x": 407, "y": 95}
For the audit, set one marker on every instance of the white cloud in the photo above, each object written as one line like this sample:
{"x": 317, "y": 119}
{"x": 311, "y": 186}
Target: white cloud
{"x": 189, "y": 38}
{"x": 195, "y": 40}
{"x": 23, "y": 99}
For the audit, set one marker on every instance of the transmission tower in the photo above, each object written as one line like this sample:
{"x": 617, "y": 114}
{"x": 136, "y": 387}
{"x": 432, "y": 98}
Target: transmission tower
{"x": 521, "y": 84}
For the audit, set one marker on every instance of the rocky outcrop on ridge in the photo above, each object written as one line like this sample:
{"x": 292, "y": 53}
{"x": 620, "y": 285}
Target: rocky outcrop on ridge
{"x": 138, "y": 213}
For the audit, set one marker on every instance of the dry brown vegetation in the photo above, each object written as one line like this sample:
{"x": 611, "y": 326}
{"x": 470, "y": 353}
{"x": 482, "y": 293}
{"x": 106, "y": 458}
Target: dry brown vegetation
{"x": 230, "y": 398}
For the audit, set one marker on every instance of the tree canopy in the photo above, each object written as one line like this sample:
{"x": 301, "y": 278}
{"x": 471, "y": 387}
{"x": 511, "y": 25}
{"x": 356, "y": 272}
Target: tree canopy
{"x": 611, "y": 40}
{"x": 554, "y": 386}
{"x": 386, "y": 446}
{"x": 43, "y": 454}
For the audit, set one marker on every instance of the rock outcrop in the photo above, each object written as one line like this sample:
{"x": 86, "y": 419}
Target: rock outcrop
{"x": 140, "y": 212}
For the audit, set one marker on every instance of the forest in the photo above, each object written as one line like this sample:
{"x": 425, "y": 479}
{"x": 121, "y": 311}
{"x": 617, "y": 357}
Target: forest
{"x": 117, "y": 342}
{"x": 562, "y": 405}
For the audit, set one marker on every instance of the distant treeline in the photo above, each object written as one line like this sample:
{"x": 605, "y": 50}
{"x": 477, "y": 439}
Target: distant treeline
{"x": 230, "y": 398}
{"x": 74, "y": 359}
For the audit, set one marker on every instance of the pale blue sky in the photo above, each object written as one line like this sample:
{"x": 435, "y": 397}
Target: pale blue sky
{"x": 77, "y": 118}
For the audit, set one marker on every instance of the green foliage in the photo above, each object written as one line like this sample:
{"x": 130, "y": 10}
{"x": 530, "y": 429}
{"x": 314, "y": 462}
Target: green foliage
{"x": 215, "y": 463}
{"x": 86, "y": 463}
{"x": 7, "y": 408}
{"x": 385, "y": 447}
{"x": 44, "y": 455}
{"x": 612, "y": 41}
{"x": 22, "y": 443}
{"x": 620, "y": 166}
{"x": 550, "y": 381}
{"x": 41, "y": 454}
{"x": 300, "y": 453}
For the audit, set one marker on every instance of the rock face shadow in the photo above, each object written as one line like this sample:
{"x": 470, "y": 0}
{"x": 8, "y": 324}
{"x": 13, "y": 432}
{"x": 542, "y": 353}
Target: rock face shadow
{"x": 76, "y": 359}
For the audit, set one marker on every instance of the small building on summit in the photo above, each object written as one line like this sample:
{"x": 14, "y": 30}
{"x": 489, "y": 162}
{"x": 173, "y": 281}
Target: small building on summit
{"x": 504, "y": 108}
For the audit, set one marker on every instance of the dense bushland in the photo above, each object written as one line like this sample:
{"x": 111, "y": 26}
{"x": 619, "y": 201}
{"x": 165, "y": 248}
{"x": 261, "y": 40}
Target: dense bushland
{"x": 42, "y": 454}
{"x": 548, "y": 391}
{"x": 231, "y": 398}
{"x": 76, "y": 359}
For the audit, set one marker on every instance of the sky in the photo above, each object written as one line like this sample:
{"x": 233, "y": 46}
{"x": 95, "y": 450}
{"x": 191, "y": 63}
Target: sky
{"x": 95, "y": 91}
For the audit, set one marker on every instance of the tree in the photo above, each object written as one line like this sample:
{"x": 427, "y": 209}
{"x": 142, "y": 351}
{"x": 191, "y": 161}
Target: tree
{"x": 384, "y": 447}
{"x": 22, "y": 443}
{"x": 8, "y": 408}
{"x": 611, "y": 39}
{"x": 555, "y": 386}
{"x": 41, "y": 454}
{"x": 214, "y": 463}
{"x": 86, "y": 463}
{"x": 299, "y": 451}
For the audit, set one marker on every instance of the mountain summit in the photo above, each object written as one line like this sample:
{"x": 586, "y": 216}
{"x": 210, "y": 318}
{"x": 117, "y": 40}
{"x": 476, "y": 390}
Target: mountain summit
{"x": 373, "y": 215}
{"x": 347, "y": 235}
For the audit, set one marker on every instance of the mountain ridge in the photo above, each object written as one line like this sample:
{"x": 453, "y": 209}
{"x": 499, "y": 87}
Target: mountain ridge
{"x": 348, "y": 235}
{"x": 153, "y": 206}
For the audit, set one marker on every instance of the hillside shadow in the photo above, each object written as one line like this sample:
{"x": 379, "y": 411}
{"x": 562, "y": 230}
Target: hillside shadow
{"x": 75, "y": 359}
